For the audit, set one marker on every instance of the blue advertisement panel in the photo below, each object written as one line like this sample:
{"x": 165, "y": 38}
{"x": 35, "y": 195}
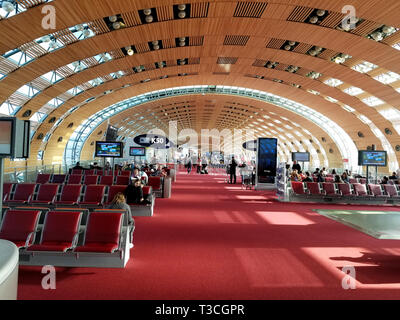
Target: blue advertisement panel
{"x": 267, "y": 160}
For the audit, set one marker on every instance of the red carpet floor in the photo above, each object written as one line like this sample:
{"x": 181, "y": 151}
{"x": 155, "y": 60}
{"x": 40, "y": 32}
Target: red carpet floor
{"x": 213, "y": 240}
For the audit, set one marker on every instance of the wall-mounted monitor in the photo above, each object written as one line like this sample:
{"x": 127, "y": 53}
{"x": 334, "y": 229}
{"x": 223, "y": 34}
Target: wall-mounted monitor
{"x": 109, "y": 149}
{"x": 14, "y": 138}
{"x": 301, "y": 156}
{"x": 137, "y": 151}
{"x": 372, "y": 158}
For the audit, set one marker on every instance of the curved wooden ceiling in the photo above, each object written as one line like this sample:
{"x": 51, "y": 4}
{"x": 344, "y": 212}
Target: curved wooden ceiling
{"x": 226, "y": 43}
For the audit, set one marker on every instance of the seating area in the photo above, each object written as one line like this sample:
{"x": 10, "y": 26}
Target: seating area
{"x": 63, "y": 240}
{"x": 345, "y": 192}
{"x": 62, "y": 219}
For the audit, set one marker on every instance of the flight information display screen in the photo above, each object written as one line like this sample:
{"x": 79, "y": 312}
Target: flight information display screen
{"x": 372, "y": 158}
{"x": 137, "y": 151}
{"x": 301, "y": 156}
{"x": 109, "y": 149}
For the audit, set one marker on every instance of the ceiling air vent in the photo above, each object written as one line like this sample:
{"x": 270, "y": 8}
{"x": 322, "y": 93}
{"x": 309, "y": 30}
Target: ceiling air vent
{"x": 236, "y": 40}
{"x": 330, "y": 150}
{"x": 398, "y": 148}
{"x": 70, "y": 125}
{"x": 360, "y": 134}
{"x": 52, "y": 120}
{"x": 388, "y": 131}
{"x": 27, "y": 113}
{"x": 60, "y": 139}
{"x": 323, "y": 139}
{"x": 249, "y": 9}
{"x": 40, "y": 136}
{"x": 226, "y": 60}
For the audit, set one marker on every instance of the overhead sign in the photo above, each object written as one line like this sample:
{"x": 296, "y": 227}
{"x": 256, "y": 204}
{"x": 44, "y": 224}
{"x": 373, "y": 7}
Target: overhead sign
{"x": 250, "y": 145}
{"x": 153, "y": 141}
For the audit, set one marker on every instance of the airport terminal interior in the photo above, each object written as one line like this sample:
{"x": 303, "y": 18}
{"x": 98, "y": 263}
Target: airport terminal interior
{"x": 199, "y": 150}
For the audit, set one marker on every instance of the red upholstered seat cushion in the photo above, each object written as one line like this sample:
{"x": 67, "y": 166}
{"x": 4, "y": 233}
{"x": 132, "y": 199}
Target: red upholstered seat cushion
{"x": 90, "y": 202}
{"x": 65, "y": 202}
{"x": 98, "y": 247}
{"x": 41, "y": 201}
{"x": 17, "y": 201}
{"x": 51, "y": 246}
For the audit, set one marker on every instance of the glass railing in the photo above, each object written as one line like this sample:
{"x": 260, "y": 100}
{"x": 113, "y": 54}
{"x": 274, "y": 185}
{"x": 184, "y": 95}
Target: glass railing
{"x": 29, "y": 173}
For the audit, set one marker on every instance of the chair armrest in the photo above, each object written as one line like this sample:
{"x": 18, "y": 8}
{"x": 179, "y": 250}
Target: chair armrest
{"x": 75, "y": 239}
{"x": 30, "y": 237}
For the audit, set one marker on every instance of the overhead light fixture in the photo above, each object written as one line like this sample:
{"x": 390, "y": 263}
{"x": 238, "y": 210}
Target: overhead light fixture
{"x": 86, "y": 33}
{"x": 320, "y": 13}
{"x": 182, "y": 7}
{"x": 113, "y": 18}
{"x": 130, "y": 52}
{"x": 182, "y": 14}
{"x": 116, "y": 25}
{"x": 149, "y": 19}
{"x": 314, "y": 19}
{"x": 377, "y": 36}
{"x": 147, "y": 12}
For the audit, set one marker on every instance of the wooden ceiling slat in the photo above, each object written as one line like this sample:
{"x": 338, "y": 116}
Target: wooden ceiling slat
{"x": 165, "y": 13}
{"x": 303, "y": 48}
{"x": 332, "y": 20}
{"x": 131, "y": 18}
{"x": 365, "y": 28}
{"x": 98, "y": 26}
{"x": 199, "y": 9}
{"x": 300, "y": 14}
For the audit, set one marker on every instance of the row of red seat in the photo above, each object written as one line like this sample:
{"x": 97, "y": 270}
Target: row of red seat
{"x": 327, "y": 189}
{"x": 61, "y": 231}
{"x": 57, "y": 194}
{"x": 85, "y": 179}
{"x": 100, "y": 172}
{"x": 154, "y": 182}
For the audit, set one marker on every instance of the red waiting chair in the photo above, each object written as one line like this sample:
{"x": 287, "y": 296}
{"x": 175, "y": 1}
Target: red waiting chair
{"x": 313, "y": 188}
{"x": 345, "y": 189}
{"x": 90, "y": 180}
{"x": 93, "y": 195}
{"x": 75, "y": 179}
{"x": 7, "y": 189}
{"x": 103, "y": 232}
{"x": 122, "y": 180}
{"x": 360, "y": 190}
{"x": 47, "y": 194}
{"x": 77, "y": 171}
{"x": 58, "y": 178}
{"x": 70, "y": 194}
{"x": 376, "y": 191}
{"x": 60, "y": 231}
{"x": 19, "y": 226}
{"x": 329, "y": 189}
{"x": 43, "y": 178}
{"x": 23, "y": 193}
{"x": 298, "y": 188}
{"x": 106, "y": 180}
{"x": 391, "y": 191}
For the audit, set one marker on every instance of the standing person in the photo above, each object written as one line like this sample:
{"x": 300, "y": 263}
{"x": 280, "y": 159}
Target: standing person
{"x": 232, "y": 170}
{"x": 204, "y": 164}
{"x": 189, "y": 164}
{"x": 119, "y": 202}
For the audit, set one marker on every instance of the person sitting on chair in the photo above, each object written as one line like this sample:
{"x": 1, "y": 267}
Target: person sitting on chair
{"x": 119, "y": 202}
{"x": 134, "y": 193}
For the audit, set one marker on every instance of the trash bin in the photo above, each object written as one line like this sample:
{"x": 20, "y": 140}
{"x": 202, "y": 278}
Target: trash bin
{"x": 9, "y": 258}
{"x": 167, "y": 187}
